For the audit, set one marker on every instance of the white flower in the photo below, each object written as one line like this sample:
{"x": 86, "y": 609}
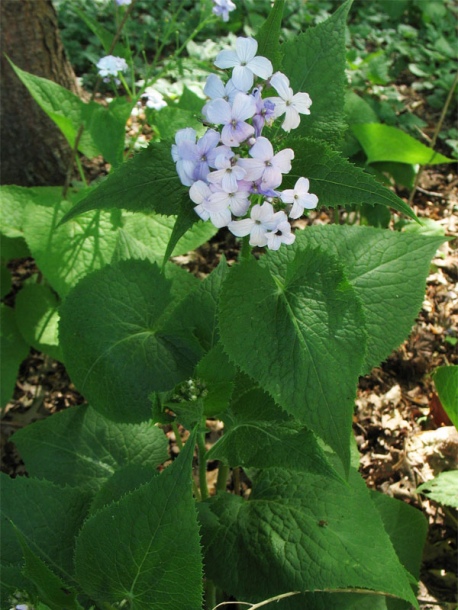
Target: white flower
{"x": 217, "y": 211}
{"x": 300, "y": 197}
{"x": 281, "y": 235}
{"x": 123, "y": 2}
{"x": 288, "y": 104}
{"x": 215, "y": 88}
{"x": 153, "y": 98}
{"x": 263, "y": 219}
{"x": 233, "y": 117}
{"x": 110, "y": 65}
{"x": 222, "y": 8}
{"x": 265, "y": 165}
{"x": 227, "y": 174}
{"x": 245, "y": 63}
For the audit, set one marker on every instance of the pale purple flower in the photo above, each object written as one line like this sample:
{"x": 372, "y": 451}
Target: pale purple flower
{"x": 215, "y": 89}
{"x": 233, "y": 117}
{"x": 205, "y": 153}
{"x": 227, "y": 173}
{"x": 183, "y": 154}
{"x": 265, "y": 112}
{"x": 153, "y": 99}
{"x": 222, "y": 8}
{"x": 257, "y": 188}
{"x": 111, "y": 65}
{"x": 245, "y": 63}
{"x": 265, "y": 165}
{"x": 300, "y": 197}
{"x": 288, "y": 104}
{"x": 262, "y": 219}
{"x": 238, "y": 201}
{"x": 217, "y": 211}
{"x": 123, "y": 2}
{"x": 281, "y": 235}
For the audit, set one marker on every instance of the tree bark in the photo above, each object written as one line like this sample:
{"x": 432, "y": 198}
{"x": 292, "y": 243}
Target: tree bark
{"x": 33, "y": 150}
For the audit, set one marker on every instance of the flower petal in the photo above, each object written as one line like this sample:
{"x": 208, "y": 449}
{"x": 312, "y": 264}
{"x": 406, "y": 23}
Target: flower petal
{"x": 302, "y": 102}
{"x": 261, "y": 66}
{"x": 242, "y": 77}
{"x": 246, "y": 49}
{"x": 227, "y": 59}
{"x": 243, "y": 107}
{"x": 241, "y": 228}
{"x": 280, "y": 83}
{"x": 219, "y": 112}
{"x": 214, "y": 87}
{"x": 262, "y": 149}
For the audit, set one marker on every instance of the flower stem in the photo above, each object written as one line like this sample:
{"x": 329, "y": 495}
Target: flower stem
{"x": 202, "y": 466}
{"x": 221, "y": 481}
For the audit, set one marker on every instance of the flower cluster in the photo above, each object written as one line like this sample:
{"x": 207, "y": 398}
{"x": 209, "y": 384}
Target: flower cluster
{"x": 234, "y": 167}
{"x": 110, "y": 66}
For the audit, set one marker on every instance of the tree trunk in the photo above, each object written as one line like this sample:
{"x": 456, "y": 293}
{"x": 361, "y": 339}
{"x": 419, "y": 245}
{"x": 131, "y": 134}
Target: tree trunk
{"x": 33, "y": 150}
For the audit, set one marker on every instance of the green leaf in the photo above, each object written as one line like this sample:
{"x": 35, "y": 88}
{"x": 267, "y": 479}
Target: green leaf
{"x": 62, "y": 106}
{"x": 107, "y": 127}
{"x": 385, "y": 143}
{"x": 259, "y": 435}
{"x": 442, "y": 489}
{"x": 37, "y": 317}
{"x": 147, "y": 182}
{"x": 12, "y": 205}
{"x": 154, "y": 232}
{"x": 81, "y": 448}
{"x": 127, "y": 479}
{"x": 170, "y": 119}
{"x": 51, "y": 589}
{"x": 315, "y": 63}
{"x": 145, "y": 548}
{"x": 13, "y": 349}
{"x": 268, "y": 36}
{"x": 67, "y": 253}
{"x": 47, "y": 516}
{"x": 198, "y": 311}
{"x": 117, "y": 345}
{"x": 446, "y": 382}
{"x": 218, "y": 374}
{"x": 407, "y": 528}
{"x": 388, "y": 271}
{"x": 294, "y": 324}
{"x": 336, "y": 181}
{"x": 296, "y": 534}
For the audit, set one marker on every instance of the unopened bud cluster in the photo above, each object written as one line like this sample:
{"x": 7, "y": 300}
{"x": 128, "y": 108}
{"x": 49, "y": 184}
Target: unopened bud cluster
{"x": 233, "y": 172}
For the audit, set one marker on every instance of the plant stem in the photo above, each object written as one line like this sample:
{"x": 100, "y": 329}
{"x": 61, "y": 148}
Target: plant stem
{"x": 221, "y": 481}
{"x": 202, "y": 466}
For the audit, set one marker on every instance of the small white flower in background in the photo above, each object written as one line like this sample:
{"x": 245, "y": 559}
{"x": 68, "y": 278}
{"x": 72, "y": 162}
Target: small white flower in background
{"x": 222, "y": 8}
{"x": 123, "y": 2}
{"x": 153, "y": 99}
{"x": 110, "y": 65}
{"x": 245, "y": 63}
{"x": 300, "y": 197}
{"x": 288, "y": 104}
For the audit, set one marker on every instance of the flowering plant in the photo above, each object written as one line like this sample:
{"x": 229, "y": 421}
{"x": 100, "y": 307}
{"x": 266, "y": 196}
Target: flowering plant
{"x": 268, "y": 349}
{"x": 236, "y": 179}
